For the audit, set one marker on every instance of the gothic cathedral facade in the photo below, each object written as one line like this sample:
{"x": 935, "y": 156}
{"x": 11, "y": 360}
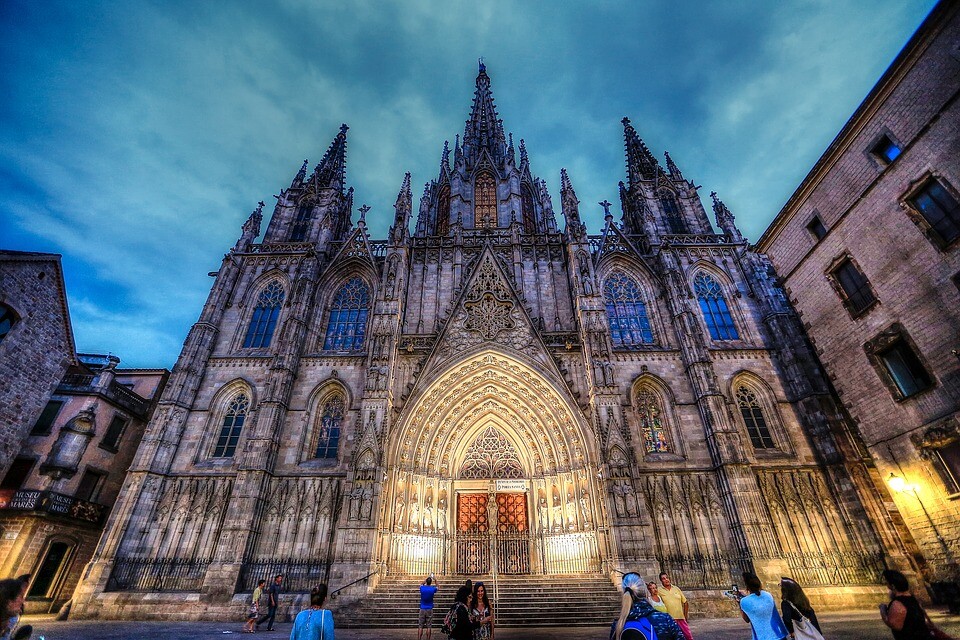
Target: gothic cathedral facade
{"x": 490, "y": 393}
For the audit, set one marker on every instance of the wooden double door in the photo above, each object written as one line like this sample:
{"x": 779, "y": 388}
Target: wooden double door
{"x": 492, "y": 536}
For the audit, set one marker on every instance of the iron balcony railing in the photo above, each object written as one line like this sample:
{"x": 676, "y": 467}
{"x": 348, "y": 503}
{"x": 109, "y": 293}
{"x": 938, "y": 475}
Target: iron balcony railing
{"x": 56, "y": 504}
{"x": 86, "y": 383}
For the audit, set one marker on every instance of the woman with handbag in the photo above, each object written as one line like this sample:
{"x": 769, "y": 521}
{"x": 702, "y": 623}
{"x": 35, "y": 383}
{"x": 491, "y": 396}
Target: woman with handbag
{"x": 798, "y": 615}
{"x": 760, "y": 610}
{"x": 315, "y": 623}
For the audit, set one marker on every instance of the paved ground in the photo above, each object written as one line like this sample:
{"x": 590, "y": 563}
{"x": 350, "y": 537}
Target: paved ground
{"x": 862, "y": 625}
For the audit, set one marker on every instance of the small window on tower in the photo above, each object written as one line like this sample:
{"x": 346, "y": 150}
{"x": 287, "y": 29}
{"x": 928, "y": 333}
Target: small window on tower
{"x": 946, "y": 460}
{"x": 815, "y": 226}
{"x": 898, "y": 363}
{"x": 852, "y": 286}
{"x": 885, "y": 150}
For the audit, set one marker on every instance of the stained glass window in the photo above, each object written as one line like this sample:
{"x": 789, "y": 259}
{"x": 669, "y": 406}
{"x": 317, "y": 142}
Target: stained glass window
{"x": 714, "y": 307}
{"x": 348, "y": 317}
{"x": 301, "y": 223}
{"x": 626, "y": 311}
{"x": 443, "y": 212}
{"x": 231, "y": 427}
{"x": 485, "y": 208}
{"x": 328, "y": 438}
{"x": 529, "y": 217}
{"x": 265, "y": 315}
{"x": 753, "y": 418}
{"x": 650, "y": 412}
{"x": 671, "y": 213}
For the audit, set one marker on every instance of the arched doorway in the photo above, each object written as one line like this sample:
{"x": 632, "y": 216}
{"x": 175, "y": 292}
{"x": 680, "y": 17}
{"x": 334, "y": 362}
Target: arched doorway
{"x": 492, "y": 471}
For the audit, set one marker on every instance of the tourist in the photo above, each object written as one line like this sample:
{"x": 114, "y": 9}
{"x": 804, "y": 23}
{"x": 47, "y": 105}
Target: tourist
{"x": 759, "y": 609}
{"x": 676, "y": 603}
{"x": 481, "y": 613}
{"x": 463, "y": 626}
{"x": 427, "y": 591}
{"x": 636, "y": 610}
{"x": 273, "y": 600}
{"x": 795, "y": 605}
{"x": 11, "y": 606}
{"x": 904, "y": 615}
{"x": 655, "y": 600}
{"x": 254, "y": 607}
{"x": 315, "y": 623}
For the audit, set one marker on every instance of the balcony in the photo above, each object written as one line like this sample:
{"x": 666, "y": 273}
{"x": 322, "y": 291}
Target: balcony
{"x": 80, "y": 383}
{"x": 56, "y": 504}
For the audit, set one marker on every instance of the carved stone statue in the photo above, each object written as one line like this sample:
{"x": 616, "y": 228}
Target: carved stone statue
{"x": 398, "y": 512}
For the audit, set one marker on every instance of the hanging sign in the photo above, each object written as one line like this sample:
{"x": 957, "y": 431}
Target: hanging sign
{"x": 511, "y": 485}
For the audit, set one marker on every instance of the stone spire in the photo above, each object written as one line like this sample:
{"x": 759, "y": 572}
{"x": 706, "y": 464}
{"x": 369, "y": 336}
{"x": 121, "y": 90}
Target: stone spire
{"x": 403, "y": 208}
{"x": 570, "y": 206}
{"x": 672, "y": 167}
{"x": 250, "y": 229}
{"x": 641, "y": 164}
{"x": 331, "y": 172}
{"x": 484, "y": 130}
{"x": 300, "y": 177}
{"x": 444, "y": 160}
{"x": 725, "y": 218}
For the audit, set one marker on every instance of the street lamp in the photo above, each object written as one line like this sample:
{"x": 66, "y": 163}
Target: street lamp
{"x": 897, "y": 483}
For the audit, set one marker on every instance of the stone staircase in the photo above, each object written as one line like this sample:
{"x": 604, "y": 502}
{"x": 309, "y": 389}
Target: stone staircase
{"x": 521, "y": 601}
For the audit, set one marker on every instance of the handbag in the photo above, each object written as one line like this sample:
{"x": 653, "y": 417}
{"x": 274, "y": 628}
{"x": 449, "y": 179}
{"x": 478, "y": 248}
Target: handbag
{"x": 803, "y": 629}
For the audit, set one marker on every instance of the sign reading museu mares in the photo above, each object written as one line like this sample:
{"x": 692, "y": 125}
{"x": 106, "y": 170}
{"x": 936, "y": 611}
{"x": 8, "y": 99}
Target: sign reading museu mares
{"x": 491, "y": 394}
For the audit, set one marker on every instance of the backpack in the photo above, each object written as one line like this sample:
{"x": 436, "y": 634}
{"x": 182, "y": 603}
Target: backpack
{"x": 641, "y": 629}
{"x": 450, "y": 620}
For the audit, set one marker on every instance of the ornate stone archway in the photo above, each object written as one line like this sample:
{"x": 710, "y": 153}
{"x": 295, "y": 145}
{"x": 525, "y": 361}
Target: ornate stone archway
{"x": 492, "y": 469}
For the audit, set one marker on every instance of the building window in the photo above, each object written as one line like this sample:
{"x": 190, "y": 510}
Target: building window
{"x": 112, "y": 436}
{"x": 897, "y": 362}
{"x": 753, "y": 418}
{"x": 231, "y": 427}
{"x": 91, "y": 482}
{"x": 852, "y": 286}
{"x": 652, "y": 429}
{"x": 626, "y": 312}
{"x": 443, "y": 211}
{"x": 815, "y": 226}
{"x": 265, "y": 315}
{"x": 529, "y": 216}
{"x": 885, "y": 150}
{"x": 47, "y": 417}
{"x": 946, "y": 460}
{"x": 8, "y": 318}
{"x": 714, "y": 307}
{"x": 347, "y": 325}
{"x": 17, "y": 474}
{"x": 328, "y": 436}
{"x": 485, "y": 196}
{"x": 46, "y": 577}
{"x": 301, "y": 223}
{"x": 671, "y": 213}
{"x": 939, "y": 212}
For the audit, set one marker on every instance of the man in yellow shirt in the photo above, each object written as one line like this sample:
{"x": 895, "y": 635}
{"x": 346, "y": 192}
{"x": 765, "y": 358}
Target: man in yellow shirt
{"x": 677, "y": 605}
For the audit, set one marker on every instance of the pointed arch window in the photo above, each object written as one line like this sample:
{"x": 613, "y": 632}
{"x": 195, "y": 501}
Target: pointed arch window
{"x": 485, "y": 198}
{"x": 753, "y": 418}
{"x": 626, "y": 312}
{"x": 231, "y": 427}
{"x": 328, "y": 431}
{"x": 652, "y": 429}
{"x": 301, "y": 223}
{"x": 443, "y": 211}
{"x": 347, "y": 324}
{"x": 529, "y": 214}
{"x": 491, "y": 456}
{"x": 265, "y": 314}
{"x": 716, "y": 313}
{"x": 671, "y": 213}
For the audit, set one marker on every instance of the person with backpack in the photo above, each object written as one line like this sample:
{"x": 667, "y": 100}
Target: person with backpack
{"x": 457, "y": 623}
{"x": 638, "y": 619}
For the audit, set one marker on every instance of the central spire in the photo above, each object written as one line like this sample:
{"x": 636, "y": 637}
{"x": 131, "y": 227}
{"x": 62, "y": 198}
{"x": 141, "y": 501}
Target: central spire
{"x": 484, "y": 130}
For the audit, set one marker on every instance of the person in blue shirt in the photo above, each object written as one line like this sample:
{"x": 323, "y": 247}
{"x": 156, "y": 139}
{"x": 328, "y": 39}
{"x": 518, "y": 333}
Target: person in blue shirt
{"x": 760, "y": 610}
{"x": 427, "y": 591}
{"x": 315, "y": 623}
{"x": 635, "y": 605}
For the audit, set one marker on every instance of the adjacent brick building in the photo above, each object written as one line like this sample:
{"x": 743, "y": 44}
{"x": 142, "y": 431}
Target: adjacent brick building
{"x": 869, "y": 251}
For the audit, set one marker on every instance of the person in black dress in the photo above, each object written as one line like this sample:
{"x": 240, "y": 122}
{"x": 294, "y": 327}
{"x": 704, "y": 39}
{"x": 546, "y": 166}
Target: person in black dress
{"x": 904, "y": 615}
{"x": 794, "y": 604}
{"x": 465, "y": 626}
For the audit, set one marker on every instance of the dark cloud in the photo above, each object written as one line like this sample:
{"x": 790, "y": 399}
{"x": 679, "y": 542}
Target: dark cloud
{"x": 135, "y": 138}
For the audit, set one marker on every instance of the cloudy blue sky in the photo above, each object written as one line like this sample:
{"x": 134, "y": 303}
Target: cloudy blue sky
{"x": 136, "y": 137}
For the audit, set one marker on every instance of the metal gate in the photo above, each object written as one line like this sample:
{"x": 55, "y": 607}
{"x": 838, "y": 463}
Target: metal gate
{"x": 473, "y": 534}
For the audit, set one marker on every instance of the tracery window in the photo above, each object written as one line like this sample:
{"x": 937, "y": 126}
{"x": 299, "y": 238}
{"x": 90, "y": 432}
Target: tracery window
{"x": 347, "y": 325}
{"x": 714, "y": 307}
{"x": 301, "y": 223}
{"x": 443, "y": 212}
{"x": 231, "y": 427}
{"x": 328, "y": 433}
{"x": 652, "y": 429}
{"x": 491, "y": 456}
{"x": 753, "y": 418}
{"x": 626, "y": 312}
{"x": 265, "y": 314}
{"x": 671, "y": 213}
{"x": 529, "y": 217}
{"x": 485, "y": 198}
